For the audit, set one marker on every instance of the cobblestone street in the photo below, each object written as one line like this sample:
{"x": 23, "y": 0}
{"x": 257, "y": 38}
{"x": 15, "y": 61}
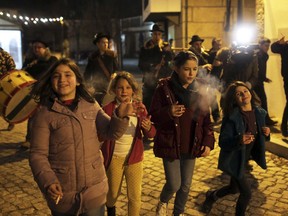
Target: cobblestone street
{"x": 19, "y": 194}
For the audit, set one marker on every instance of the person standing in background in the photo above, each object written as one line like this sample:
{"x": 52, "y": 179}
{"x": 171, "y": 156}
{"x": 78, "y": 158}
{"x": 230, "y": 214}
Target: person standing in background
{"x": 281, "y": 47}
{"x": 259, "y": 89}
{"x": 7, "y": 64}
{"x": 154, "y": 62}
{"x": 37, "y": 66}
{"x": 102, "y": 63}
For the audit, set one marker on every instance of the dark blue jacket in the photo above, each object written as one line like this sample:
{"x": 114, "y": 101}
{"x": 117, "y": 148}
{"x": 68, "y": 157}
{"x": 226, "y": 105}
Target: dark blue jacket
{"x": 232, "y": 154}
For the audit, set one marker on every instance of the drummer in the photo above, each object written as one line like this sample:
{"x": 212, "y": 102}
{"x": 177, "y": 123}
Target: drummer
{"x": 6, "y": 64}
{"x": 36, "y": 66}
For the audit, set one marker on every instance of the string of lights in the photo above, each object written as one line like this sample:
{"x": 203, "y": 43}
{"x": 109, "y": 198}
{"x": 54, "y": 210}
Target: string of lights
{"x": 30, "y": 20}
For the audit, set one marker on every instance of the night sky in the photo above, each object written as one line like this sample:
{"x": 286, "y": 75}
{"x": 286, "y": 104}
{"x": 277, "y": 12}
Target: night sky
{"x": 52, "y": 8}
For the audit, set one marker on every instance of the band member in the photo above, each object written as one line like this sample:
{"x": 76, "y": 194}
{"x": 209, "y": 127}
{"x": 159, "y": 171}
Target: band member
{"x": 102, "y": 63}
{"x": 6, "y": 64}
{"x": 154, "y": 62}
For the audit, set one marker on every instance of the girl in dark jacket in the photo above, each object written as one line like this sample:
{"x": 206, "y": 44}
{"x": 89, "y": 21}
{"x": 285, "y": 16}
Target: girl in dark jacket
{"x": 65, "y": 155}
{"x": 184, "y": 130}
{"x": 242, "y": 137}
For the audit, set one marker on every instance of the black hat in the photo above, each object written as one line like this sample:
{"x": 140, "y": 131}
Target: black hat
{"x": 40, "y": 41}
{"x": 195, "y": 38}
{"x": 98, "y": 36}
{"x": 156, "y": 28}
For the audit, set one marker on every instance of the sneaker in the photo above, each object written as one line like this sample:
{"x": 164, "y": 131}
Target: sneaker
{"x": 162, "y": 209}
{"x": 209, "y": 201}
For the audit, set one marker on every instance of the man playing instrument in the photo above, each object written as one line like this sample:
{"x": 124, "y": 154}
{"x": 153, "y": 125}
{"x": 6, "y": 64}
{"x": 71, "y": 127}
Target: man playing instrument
{"x": 154, "y": 62}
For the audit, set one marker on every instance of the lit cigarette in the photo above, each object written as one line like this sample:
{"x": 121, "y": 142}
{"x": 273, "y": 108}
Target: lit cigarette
{"x": 58, "y": 199}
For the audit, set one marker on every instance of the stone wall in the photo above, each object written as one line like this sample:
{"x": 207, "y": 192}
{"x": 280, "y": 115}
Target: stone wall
{"x": 207, "y": 19}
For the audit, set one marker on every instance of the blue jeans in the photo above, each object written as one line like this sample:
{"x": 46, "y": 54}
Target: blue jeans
{"x": 178, "y": 175}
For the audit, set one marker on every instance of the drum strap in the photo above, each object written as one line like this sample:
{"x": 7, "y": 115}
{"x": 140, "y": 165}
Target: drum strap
{"x": 105, "y": 70}
{"x": 18, "y": 108}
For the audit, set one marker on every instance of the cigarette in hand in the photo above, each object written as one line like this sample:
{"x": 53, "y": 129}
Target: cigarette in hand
{"x": 58, "y": 199}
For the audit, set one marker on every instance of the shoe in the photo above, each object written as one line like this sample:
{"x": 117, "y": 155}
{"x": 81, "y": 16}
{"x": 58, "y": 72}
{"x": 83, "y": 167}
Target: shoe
{"x": 209, "y": 201}
{"x": 271, "y": 122}
{"x": 162, "y": 209}
{"x": 10, "y": 126}
{"x": 25, "y": 145}
{"x": 111, "y": 211}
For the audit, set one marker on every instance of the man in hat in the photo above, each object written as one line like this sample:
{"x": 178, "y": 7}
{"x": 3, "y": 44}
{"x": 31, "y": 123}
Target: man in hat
{"x": 154, "y": 62}
{"x": 40, "y": 62}
{"x": 197, "y": 49}
{"x": 37, "y": 65}
{"x": 102, "y": 63}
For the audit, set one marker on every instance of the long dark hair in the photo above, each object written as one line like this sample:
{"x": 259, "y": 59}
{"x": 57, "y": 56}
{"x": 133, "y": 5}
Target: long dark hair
{"x": 42, "y": 90}
{"x": 182, "y": 57}
{"x": 229, "y": 98}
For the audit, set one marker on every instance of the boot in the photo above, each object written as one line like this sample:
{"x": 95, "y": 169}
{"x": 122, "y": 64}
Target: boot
{"x": 209, "y": 201}
{"x": 111, "y": 211}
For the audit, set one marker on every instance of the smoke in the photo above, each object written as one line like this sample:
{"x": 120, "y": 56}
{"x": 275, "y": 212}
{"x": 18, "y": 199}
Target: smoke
{"x": 208, "y": 87}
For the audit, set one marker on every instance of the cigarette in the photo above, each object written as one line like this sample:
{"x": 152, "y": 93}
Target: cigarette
{"x": 58, "y": 199}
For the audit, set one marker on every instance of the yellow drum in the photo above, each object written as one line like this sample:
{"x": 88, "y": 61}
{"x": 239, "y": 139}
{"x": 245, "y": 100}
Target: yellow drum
{"x": 16, "y": 104}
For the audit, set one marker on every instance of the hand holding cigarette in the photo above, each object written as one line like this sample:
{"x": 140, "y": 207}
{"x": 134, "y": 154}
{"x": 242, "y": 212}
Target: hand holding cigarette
{"x": 55, "y": 192}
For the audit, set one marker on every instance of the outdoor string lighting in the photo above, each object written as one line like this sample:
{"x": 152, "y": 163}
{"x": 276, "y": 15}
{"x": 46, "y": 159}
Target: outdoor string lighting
{"x": 31, "y": 20}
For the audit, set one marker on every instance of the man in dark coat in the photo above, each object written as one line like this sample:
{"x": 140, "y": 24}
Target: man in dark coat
{"x": 102, "y": 63}
{"x": 37, "y": 66}
{"x": 281, "y": 47}
{"x": 154, "y": 62}
{"x": 263, "y": 56}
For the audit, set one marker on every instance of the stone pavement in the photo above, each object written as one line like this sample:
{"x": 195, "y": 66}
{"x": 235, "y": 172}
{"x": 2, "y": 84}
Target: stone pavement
{"x": 19, "y": 194}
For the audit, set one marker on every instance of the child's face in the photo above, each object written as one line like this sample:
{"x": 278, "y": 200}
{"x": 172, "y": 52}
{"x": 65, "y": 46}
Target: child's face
{"x": 64, "y": 82}
{"x": 243, "y": 96}
{"x": 187, "y": 72}
{"x": 123, "y": 90}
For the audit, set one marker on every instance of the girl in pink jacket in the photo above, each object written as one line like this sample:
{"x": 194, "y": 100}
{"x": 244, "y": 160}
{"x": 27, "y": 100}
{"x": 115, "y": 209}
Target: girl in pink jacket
{"x": 123, "y": 157}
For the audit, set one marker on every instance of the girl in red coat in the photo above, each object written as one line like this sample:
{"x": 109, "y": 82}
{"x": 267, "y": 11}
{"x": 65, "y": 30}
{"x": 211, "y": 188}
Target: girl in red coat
{"x": 124, "y": 156}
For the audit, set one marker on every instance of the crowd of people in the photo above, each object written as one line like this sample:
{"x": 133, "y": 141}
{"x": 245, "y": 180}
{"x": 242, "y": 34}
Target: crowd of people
{"x": 82, "y": 147}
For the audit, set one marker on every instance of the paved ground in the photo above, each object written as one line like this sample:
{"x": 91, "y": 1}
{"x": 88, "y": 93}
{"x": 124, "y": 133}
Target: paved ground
{"x": 19, "y": 194}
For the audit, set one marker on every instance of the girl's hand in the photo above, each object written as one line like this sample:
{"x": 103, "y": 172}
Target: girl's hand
{"x": 247, "y": 138}
{"x": 177, "y": 110}
{"x": 125, "y": 109}
{"x": 146, "y": 123}
{"x": 206, "y": 151}
{"x": 266, "y": 131}
{"x": 54, "y": 191}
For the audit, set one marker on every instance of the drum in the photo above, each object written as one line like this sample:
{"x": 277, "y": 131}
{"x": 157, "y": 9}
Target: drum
{"x": 16, "y": 104}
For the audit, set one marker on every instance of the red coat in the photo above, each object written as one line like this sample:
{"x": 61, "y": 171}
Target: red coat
{"x": 136, "y": 154}
{"x": 167, "y": 139}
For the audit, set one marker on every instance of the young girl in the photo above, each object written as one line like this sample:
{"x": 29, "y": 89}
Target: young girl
{"x": 65, "y": 155}
{"x": 124, "y": 156}
{"x": 242, "y": 137}
{"x": 184, "y": 130}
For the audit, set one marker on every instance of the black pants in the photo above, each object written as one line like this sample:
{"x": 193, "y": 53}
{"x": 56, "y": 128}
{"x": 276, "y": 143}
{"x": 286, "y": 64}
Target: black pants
{"x": 285, "y": 113}
{"x": 235, "y": 186}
